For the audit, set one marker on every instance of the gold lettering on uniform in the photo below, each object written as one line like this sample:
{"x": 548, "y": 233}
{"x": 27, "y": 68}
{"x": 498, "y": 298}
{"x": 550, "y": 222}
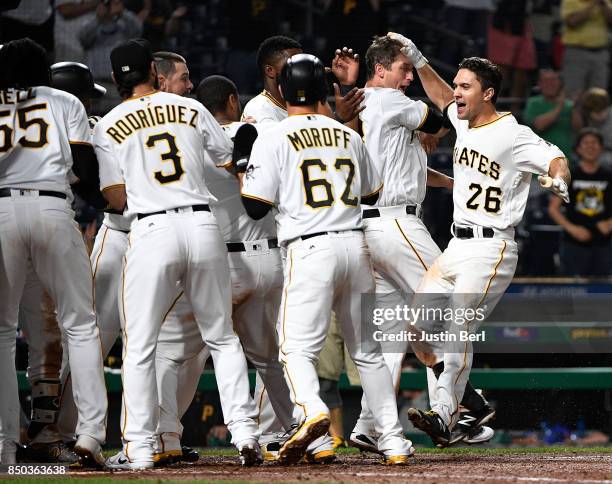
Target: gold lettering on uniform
{"x": 192, "y": 121}
{"x": 464, "y": 157}
{"x": 347, "y": 138}
{"x": 171, "y": 113}
{"x": 482, "y": 165}
{"x": 327, "y": 137}
{"x": 115, "y": 135}
{"x": 337, "y": 132}
{"x": 8, "y": 97}
{"x": 474, "y": 155}
{"x": 142, "y": 116}
{"x": 316, "y": 137}
{"x": 306, "y": 136}
{"x": 181, "y": 116}
{"x": 133, "y": 121}
{"x": 159, "y": 114}
{"x": 494, "y": 170}
{"x": 123, "y": 127}
{"x": 296, "y": 141}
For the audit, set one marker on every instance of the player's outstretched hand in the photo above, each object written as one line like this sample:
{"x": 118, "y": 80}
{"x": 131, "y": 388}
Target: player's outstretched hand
{"x": 349, "y": 106}
{"x": 428, "y": 141}
{"x": 556, "y": 185}
{"x": 409, "y": 49}
{"x": 345, "y": 66}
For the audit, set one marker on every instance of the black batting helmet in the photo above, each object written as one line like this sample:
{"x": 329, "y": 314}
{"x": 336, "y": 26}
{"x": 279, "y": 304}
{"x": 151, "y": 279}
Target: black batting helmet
{"x": 302, "y": 80}
{"x": 75, "y": 78}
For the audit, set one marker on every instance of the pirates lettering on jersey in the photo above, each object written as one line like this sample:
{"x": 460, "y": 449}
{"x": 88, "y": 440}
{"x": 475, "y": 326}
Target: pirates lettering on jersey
{"x": 319, "y": 138}
{"x": 15, "y": 97}
{"x": 151, "y": 116}
{"x": 473, "y": 159}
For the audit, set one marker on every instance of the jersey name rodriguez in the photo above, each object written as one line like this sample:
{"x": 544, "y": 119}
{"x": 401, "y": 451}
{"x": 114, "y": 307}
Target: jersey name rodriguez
{"x": 492, "y": 167}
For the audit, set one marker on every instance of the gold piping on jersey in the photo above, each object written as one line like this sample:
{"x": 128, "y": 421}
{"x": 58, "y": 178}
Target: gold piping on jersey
{"x": 172, "y": 306}
{"x": 225, "y": 165}
{"x": 100, "y": 253}
{"x": 149, "y": 93}
{"x": 424, "y": 118}
{"x": 257, "y": 198}
{"x": 272, "y": 99}
{"x": 125, "y": 342}
{"x": 501, "y": 258}
{"x": 490, "y": 122}
{"x": 410, "y": 244}
{"x": 374, "y": 192}
{"x": 86, "y": 143}
{"x": 259, "y": 404}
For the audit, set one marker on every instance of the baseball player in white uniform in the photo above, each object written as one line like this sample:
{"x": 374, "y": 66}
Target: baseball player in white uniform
{"x": 151, "y": 151}
{"x": 400, "y": 245}
{"x": 493, "y": 160}
{"x": 45, "y": 134}
{"x": 316, "y": 171}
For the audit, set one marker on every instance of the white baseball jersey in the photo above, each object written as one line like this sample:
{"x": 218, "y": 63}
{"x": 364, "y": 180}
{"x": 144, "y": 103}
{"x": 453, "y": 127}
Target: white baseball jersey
{"x": 234, "y": 223}
{"x": 45, "y": 119}
{"x": 316, "y": 170}
{"x": 492, "y": 166}
{"x": 389, "y": 124}
{"x": 264, "y": 109}
{"x": 136, "y": 144}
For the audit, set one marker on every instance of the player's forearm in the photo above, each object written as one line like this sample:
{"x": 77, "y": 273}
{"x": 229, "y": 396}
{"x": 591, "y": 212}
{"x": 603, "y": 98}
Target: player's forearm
{"x": 559, "y": 168}
{"x": 435, "y": 87}
{"x": 439, "y": 180}
{"x": 116, "y": 197}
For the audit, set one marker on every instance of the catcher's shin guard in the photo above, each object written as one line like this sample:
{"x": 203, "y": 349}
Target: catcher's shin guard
{"x": 46, "y": 396}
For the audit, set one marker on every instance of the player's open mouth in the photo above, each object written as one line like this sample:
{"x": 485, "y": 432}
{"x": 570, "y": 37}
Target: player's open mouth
{"x": 460, "y": 106}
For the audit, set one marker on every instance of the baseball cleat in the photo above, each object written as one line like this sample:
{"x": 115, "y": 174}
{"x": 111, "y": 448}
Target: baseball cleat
{"x": 395, "y": 460}
{"x": 90, "y": 451}
{"x": 432, "y": 424}
{"x": 119, "y": 462}
{"x": 323, "y": 453}
{"x": 166, "y": 458}
{"x": 339, "y": 442}
{"x": 365, "y": 442}
{"x": 250, "y": 453}
{"x": 55, "y": 452}
{"x": 189, "y": 455}
{"x": 270, "y": 450}
{"x": 480, "y": 435}
{"x": 469, "y": 422}
{"x": 295, "y": 447}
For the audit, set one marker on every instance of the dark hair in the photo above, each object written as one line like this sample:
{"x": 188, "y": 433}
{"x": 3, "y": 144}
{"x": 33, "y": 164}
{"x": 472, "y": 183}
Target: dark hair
{"x": 272, "y": 48}
{"x": 165, "y": 62}
{"x": 383, "y": 50}
{"x": 588, "y": 132}
{"x": 24, "y": 64}
{"x": 487, "y": 73}
{"x": 214, "y": 91}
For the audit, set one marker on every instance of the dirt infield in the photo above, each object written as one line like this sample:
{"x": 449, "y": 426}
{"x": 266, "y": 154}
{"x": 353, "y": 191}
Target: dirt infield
{"x": 496, "y": 465}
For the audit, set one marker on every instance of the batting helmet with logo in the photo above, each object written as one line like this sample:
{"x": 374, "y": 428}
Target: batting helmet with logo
{"x": 302, "y": 80}
{"x": 75, "y": 78}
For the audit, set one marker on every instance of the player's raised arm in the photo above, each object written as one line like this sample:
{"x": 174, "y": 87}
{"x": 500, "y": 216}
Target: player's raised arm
{"x": 435, "y": 87}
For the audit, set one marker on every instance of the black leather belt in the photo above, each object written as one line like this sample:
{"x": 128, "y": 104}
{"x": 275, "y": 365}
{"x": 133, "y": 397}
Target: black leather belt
{"x": 240, "y": 247}
{"x": 374, "y": 212}
{"x": 468, "y": 232}
{"x": 317, "y": 234}
{"x": 195, "y": 208}
{"x": 6, "y": 192}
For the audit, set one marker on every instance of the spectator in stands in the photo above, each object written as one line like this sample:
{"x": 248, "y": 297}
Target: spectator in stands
{"x": 585, "y": 36}
{"x": 587, "y": 221}
{"x": 33, "y": 19}
{"x": 550, "y": 112}
{"x": 70, "y": 16}
{"x": 593, "y": 110}
{"x": 470, "y": 18}
{"x": 512, "y": 47}
{"x": 111, "y": 25}
{"x": 162, "y": 22}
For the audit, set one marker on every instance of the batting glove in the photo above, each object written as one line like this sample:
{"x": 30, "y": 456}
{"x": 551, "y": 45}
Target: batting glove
{"x": 556, "y": 185}
{"x": 410, "y": 50}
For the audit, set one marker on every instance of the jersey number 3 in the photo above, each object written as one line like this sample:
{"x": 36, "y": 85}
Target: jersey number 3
{"x": 326, "y": 199}
{"x": 171, "y": 155}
